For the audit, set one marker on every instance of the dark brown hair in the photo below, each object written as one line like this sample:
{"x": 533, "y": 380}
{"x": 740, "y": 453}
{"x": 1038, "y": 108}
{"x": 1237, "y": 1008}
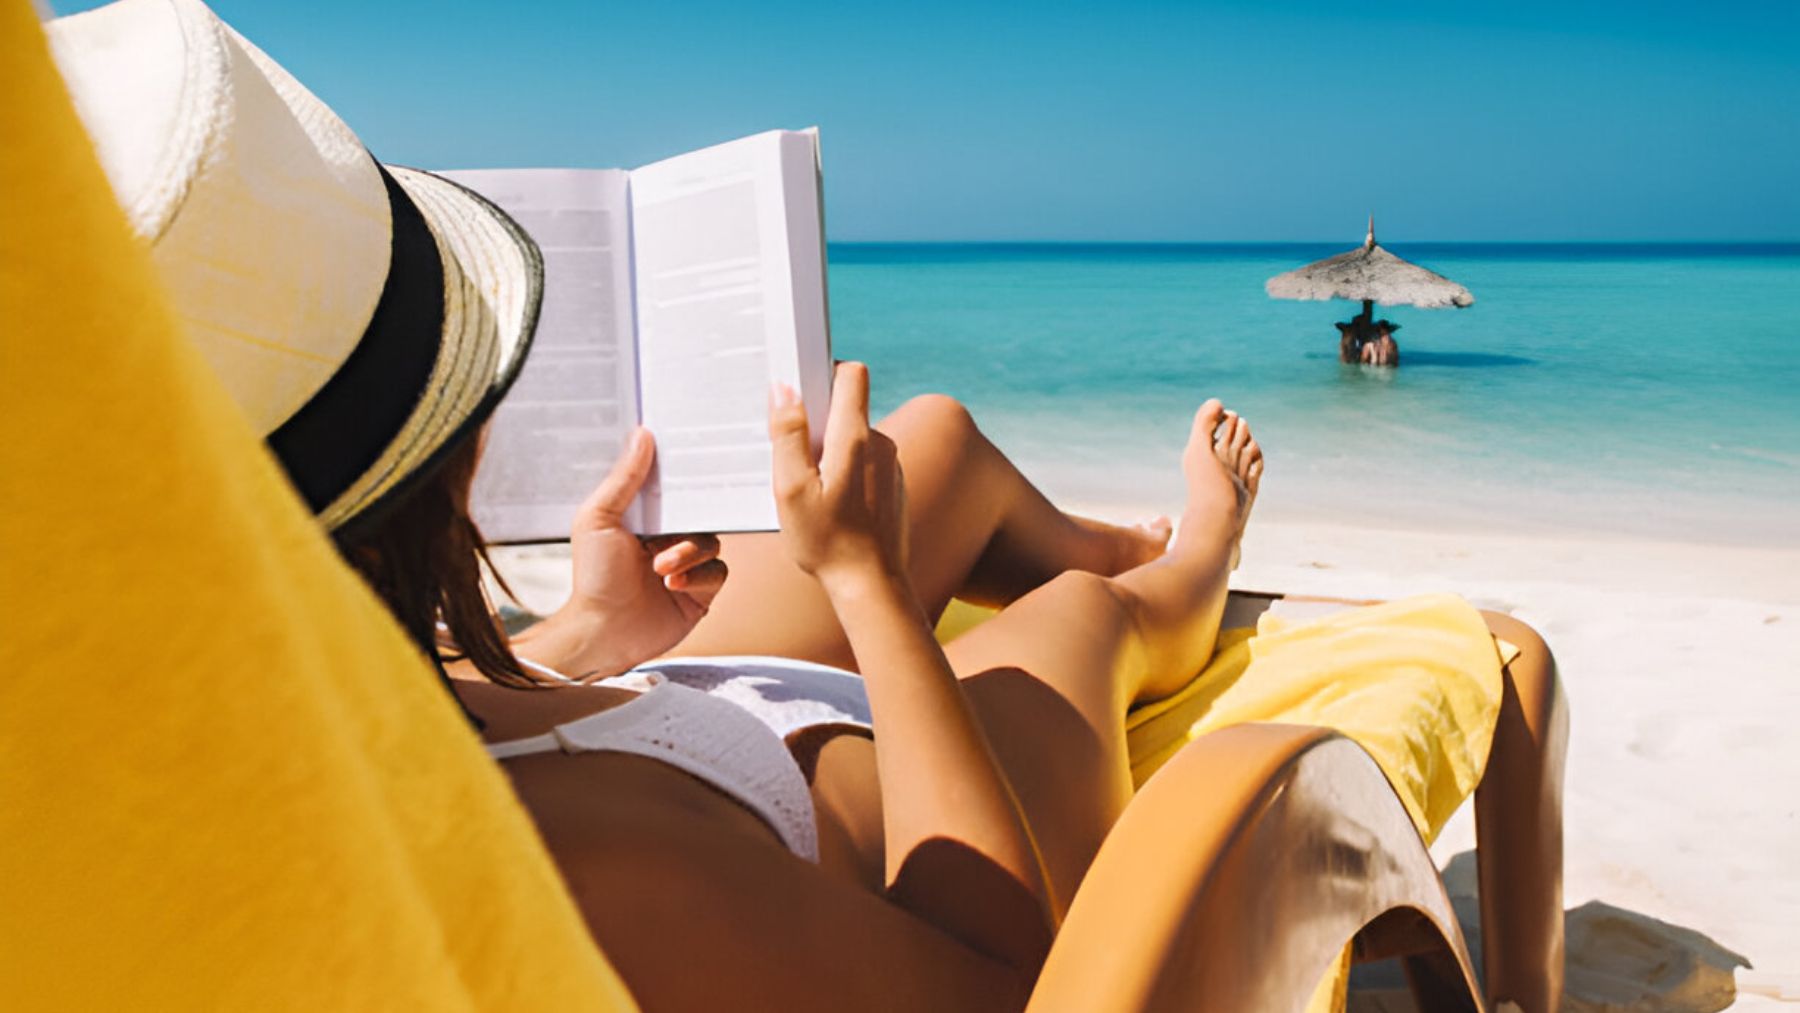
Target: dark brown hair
{"x": 425, "y": 558}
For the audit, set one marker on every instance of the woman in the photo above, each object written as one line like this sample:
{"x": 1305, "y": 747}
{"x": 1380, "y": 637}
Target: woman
{"x": 1098, "y": 618}
{"x": 996, "y": 723}
{"x": 368, "y": 318}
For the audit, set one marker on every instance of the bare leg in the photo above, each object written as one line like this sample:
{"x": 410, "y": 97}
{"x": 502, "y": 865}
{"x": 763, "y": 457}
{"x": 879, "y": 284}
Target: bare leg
{"x": 1518, "y": 829}
{"x": 978, "y": 529}
{"x": 1052, "y": 676}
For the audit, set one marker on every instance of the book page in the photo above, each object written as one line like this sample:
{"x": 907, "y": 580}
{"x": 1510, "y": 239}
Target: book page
{"x": 719, "y": 319}
{"x": 564, "y": 421}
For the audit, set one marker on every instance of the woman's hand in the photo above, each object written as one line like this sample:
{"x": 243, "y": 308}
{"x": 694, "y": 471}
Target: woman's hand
{"x": 632, "y": 598}
{"x": 949, "y": 815}
{"x": 842, "y": 517}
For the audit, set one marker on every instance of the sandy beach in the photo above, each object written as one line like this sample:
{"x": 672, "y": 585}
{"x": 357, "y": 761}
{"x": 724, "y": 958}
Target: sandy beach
{"x": 1682, "y": 666}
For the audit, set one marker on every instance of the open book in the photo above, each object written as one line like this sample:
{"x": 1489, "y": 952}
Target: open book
{"x": 674, "y": 296}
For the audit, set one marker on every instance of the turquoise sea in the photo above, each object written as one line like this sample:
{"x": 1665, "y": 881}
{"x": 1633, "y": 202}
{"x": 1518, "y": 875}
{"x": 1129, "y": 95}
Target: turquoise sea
{"x": 1634, "y": 390}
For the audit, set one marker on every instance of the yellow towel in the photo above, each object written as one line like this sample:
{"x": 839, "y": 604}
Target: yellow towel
{"x": 226, "y": 780}
{"x": 1415, "y": 682}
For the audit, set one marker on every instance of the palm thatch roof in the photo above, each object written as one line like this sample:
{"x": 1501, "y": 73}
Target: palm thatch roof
{"x": 1373, "y": 274}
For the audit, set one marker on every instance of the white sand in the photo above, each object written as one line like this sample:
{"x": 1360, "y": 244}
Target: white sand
{"x": 1682, "y": 666}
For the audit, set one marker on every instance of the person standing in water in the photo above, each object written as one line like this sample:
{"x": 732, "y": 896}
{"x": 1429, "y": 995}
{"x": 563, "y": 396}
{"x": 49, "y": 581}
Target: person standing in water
{"x": 1350, "y": 342}
{"x": 1381, "y": 350}
{"x": 1387, "y": 353}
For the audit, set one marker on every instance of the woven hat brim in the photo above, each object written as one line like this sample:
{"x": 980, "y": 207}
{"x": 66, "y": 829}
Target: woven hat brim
{"x": 493, "y": 288}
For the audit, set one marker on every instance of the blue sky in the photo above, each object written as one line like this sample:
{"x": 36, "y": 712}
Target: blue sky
{"x": 1127, "y": 121}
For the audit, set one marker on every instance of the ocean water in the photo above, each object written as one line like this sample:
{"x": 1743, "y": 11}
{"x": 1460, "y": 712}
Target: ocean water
{"x": 1624, "y": 390}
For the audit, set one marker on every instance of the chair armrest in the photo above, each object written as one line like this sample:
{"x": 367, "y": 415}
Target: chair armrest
{"x": 1240, "y": 871}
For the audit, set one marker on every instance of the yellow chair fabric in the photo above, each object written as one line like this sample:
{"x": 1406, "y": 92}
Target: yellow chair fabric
{"x": 227, "y": 781}
{"x": 1415, "y": 682}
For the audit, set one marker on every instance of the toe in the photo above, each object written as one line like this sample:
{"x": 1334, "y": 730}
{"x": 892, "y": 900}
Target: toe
{"x": 1230, "y": 448}
{"x": 1240, "y": 437}
{"x": 1206, "y": 422}
{"x": 1211, "y": 413}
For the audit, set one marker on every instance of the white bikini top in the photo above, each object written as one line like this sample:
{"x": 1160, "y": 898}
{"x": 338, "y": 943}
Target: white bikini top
{"x": 723, "y": 720}
{"x": 786, "y": 695}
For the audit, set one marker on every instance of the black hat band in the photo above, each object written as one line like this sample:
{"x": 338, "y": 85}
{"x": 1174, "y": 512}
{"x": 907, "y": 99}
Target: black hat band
{"x": 342, "y": 431}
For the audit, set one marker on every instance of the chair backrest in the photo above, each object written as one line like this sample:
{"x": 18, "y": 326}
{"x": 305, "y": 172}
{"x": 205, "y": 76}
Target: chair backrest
{"x": 1238, "y": 878}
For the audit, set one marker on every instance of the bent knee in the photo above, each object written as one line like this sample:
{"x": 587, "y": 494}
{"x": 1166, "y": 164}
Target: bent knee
{"x": 1530, "y": 643}
{"x": 1533, "y": 673}
{"x": 935, "y": 416}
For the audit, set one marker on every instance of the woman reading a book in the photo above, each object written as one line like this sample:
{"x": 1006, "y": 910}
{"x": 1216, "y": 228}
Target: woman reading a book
{"x": 951, "y": 841}
{"x": 953, "y": 838}
{"x": 368, "y": 318}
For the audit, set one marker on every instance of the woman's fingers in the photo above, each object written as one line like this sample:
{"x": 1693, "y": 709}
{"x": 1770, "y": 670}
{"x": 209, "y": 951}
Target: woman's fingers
{"x": 847, "y": 429}
{"x": 882, "y": 459}
{"x": 791, "y": 465}
{"x": 701, "y": 582}
{"x": 683, "y": 553}
{"x": 888, "y": 485}
{"x": 606, "y": 505}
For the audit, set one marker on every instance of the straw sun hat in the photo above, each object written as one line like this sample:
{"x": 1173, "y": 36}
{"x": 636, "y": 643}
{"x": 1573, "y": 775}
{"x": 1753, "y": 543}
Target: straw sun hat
{"x": 365, "y": 317}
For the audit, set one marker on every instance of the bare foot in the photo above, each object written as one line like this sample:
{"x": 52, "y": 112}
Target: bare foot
{"x": 1223, "y": 465}
{"x": 1127, "y": 545}
{"x": 1183, "y": 594}
{"x": 1239, "y": 452}
{"x": 1007, "y": 569}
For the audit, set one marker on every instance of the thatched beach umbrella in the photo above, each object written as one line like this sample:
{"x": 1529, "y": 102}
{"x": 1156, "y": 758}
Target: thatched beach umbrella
{"x": 1372, "y": 275}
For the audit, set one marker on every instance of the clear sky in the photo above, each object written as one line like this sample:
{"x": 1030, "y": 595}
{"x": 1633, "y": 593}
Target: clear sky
{"x": 1126, "y": 121}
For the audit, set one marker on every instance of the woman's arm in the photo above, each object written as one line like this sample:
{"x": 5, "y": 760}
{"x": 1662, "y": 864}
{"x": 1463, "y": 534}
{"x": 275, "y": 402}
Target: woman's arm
{"x": 959, "y": 852}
